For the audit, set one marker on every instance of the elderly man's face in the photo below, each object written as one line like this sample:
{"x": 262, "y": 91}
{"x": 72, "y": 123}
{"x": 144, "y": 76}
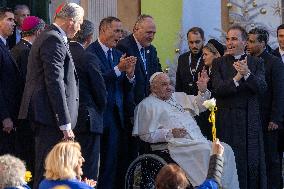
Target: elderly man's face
{"x": 74, "y": 26}
{"x": 7, "y": 25}
{"x": 162, "y": 87}
{"x": 145, "y": 32}
{"x": 20, "y": 15}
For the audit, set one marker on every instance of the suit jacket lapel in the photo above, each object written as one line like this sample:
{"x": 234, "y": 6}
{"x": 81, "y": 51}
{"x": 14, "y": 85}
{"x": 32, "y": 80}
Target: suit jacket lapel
{"x": 10, "y": 56}
{"x": 99, "y": 51}
{"x": 186, "y": 67}
{"x": 137, "y": 52}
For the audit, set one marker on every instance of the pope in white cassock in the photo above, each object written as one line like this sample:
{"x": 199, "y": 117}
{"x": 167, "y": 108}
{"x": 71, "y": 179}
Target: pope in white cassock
{"x": 165, "y": 116}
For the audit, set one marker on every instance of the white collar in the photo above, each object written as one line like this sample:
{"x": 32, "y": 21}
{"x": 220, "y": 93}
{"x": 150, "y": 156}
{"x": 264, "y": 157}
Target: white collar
{"x": 3, "y": 40}
{"x": 138, "y": 44}
{"x": 27, "y": 41}
{"x": 105, "y": 48}
{"x": 78, "y": 43}
{"x": 62, "y": 32}
{"x": 238, "y": 56}
{"x": 281, "y": 51}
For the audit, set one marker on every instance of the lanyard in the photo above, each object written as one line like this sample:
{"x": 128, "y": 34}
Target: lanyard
{"x": 193, "y": 71}
{"x": 143, "y": 57}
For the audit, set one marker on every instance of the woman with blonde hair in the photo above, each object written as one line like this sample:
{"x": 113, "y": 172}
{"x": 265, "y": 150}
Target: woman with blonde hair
{"x": 63, "y": 166}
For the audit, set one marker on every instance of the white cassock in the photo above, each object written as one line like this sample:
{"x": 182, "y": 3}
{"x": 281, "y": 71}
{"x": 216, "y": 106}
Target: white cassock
{"x": 153, "y": 121}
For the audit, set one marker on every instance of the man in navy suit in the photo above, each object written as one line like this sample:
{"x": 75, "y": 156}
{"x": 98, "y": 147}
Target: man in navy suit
{"x": 139, "y": 45}
{"x": 10, "y": 78}
{"x": 92, "y": 94}
{"x": 51, "y": 95}
{"x": 118, "y": 73}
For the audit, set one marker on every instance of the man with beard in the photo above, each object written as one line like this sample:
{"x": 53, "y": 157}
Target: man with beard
{"x": 118, "y": 73}
{"x": 238, "y": 80}
{"x": 190, "y": 63}
{"x": 51, "y": 95}
{"x": 272, "y": 104}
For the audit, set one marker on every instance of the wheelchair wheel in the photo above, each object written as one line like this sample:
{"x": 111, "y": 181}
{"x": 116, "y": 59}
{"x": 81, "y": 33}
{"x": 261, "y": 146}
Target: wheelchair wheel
{"x": 142, "y": 172}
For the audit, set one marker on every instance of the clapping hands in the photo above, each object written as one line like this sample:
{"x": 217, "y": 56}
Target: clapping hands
{"x": 202, "y": 81}
{"x": 242, "y": 68}
{"x": 127, "y": 64}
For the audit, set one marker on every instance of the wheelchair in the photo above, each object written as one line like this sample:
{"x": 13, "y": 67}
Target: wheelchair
{"x": 142, "y": 172}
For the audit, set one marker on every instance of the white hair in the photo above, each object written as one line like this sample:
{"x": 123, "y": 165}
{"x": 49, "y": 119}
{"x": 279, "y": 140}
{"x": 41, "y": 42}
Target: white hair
{"x": 12, "y": 171}
{"x": 70, "y": 10}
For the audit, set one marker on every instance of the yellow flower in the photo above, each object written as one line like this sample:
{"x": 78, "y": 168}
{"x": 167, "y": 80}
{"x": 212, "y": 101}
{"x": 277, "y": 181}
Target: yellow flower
{"x": 28, "y": 176}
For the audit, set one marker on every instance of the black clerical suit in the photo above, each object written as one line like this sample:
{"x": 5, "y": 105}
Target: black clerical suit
{"x": 238, "y": 119}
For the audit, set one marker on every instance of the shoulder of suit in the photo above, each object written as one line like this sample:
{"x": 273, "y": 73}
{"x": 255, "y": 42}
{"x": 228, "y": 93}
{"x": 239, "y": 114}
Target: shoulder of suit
{"x": 184, "y": 54}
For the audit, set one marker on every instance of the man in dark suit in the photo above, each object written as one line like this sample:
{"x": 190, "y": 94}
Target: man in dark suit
{"x": 21, "y": 12}
{"x": 272, "y": 104}
{"x": 31, "y": 28}
{"x": 118, "y": 73}
{"x": 139, "y": 45}
{"x": 279, "y": 52}
{"x": 190, "y": 63}
{"x": 10, "y": 79}
{"x": 238, "y": 80}
{"x": 92, "y": 94}
{"x": 51, "y": 95}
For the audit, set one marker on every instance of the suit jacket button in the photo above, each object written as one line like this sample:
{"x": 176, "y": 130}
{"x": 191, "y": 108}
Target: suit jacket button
{"x": 77, "y": 99}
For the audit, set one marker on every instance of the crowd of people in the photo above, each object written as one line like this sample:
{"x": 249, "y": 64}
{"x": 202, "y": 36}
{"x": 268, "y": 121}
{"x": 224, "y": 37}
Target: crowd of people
{"x": 58, "y": 84}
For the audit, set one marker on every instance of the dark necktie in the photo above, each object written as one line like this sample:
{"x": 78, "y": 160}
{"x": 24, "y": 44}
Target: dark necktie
{"x": 7, "y": 45}
{"x": 116, "y": 90}
{"x": 142, "y": 53}
{"x": 109, "y": 58}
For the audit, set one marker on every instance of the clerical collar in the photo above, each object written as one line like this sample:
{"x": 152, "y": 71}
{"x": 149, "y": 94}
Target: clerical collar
{"x": 105, "y": 48}
{"x": 3, "y": 40}
{"x": 62, "y": 32}
{"x": 281, "y": 52}
{"x": 138, "y": 44}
